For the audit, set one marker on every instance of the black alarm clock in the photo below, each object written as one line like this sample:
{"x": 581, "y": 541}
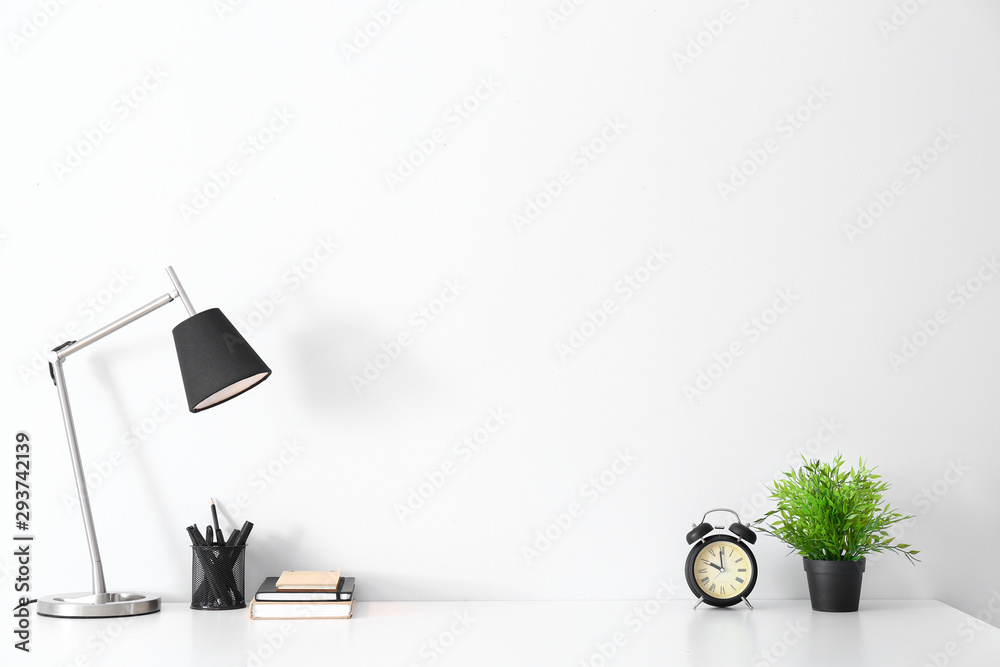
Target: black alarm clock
{"x": 721, "y": 570}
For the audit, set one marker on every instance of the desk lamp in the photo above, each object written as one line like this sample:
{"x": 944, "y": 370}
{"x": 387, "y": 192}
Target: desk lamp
{"x": 216, "y": 363}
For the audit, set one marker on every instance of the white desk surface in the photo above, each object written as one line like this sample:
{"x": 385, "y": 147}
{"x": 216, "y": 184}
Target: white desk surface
{"x": 514, "y": 634}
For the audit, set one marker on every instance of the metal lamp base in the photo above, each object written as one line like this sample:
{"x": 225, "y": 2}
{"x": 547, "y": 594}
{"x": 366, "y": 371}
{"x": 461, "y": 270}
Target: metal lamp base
{"x": 103, "y": 605}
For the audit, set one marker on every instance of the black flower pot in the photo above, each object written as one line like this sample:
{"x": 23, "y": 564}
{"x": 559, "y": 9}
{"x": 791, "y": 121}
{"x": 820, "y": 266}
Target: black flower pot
{"x": 834, "y": 585}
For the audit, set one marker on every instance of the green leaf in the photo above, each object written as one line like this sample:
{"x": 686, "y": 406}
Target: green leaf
{"x": 825, "y": 512}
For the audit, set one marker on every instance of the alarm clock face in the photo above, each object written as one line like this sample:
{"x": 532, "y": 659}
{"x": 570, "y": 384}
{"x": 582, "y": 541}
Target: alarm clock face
{"x": 721, "y": 570}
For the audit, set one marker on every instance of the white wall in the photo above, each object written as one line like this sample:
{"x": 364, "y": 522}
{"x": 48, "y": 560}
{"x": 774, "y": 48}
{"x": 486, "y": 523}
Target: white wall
{"x": 677, "y": 130}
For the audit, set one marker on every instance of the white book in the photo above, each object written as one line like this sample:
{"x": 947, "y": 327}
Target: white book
{"x": 289, "y": 610}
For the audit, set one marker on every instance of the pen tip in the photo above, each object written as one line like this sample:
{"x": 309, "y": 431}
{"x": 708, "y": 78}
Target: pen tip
{"x": 213, "y": 500}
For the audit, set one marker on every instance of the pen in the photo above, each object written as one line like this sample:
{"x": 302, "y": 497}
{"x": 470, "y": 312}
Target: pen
{"x": 244, "y": 533}
{"x": 215, "y": 522}
{"x": 195, "y": 537}
{"x": 239, "y": 533}
{"x": 208, "y": 536}
{"x": 206, "y": 564}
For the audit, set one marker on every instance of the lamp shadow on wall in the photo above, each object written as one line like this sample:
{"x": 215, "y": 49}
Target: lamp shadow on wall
{"x": 101, "y": 373}
{"x": 336, "y": 366}
{"x": 270, "y": 552}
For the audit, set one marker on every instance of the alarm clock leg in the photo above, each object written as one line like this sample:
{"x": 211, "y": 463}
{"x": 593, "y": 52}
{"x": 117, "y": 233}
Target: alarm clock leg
{"x": 700, "y": 600}
{"x": 748, "y": 604}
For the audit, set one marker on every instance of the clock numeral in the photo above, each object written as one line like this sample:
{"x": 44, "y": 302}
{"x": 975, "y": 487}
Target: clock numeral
{"x": 712, "y": 552}
{"x": 738, "y": 560}
{"x": 742, "y": 569}
{"x": 703, "y": 570}
{"x": 711, "y": 588}
{"x": 739, "y": 580}
{"x": 705, "y": 561}
{"x": 704, "y": 580}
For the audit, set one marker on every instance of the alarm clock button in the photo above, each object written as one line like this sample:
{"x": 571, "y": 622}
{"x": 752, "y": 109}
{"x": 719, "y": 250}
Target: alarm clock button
{"x": 698, "y": 532}
{"x": 743, "y": 532}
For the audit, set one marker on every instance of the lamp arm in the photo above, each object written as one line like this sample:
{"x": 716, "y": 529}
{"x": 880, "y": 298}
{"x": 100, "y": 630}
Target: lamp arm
{"x": 56, "y": 359}
{"x": 77, "y": 345}
{"x": 178, "y": 293}
{"x": 181, "y": 294}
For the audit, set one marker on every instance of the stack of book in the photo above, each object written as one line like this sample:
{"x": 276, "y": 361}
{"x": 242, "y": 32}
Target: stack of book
{"x": 304, "y": 594}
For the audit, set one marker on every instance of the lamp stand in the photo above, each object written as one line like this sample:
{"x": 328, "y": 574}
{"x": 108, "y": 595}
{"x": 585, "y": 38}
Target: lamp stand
{"x": 99, "y": 603}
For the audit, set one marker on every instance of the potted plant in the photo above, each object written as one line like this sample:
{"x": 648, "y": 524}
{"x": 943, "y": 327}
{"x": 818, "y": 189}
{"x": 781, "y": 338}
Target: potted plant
{"x": 833, "y": 518}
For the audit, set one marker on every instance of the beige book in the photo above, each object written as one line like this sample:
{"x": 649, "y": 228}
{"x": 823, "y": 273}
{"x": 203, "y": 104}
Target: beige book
{"x": 308, "y": 580}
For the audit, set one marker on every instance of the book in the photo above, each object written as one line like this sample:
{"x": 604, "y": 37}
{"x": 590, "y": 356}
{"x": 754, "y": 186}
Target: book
{"x": 346, "y": 591}
{"x": 292, "y": 610}
{"x": 308, "y": 580}
{"x": 268, "y": 592}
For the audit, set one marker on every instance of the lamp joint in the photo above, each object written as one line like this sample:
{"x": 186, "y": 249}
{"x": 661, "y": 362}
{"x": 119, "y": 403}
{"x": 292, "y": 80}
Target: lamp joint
{"x": 52, "y": 372}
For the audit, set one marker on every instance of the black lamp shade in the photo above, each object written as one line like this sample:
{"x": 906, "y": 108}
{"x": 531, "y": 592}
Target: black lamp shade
{"x": 216, "y": 362}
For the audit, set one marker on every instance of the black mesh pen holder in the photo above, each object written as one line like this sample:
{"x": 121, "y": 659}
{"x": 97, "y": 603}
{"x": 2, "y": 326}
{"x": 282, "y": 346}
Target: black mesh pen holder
{"x": 217, "y": 577}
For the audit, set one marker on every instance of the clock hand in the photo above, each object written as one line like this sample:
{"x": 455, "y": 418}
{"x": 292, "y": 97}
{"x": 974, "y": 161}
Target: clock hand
{"x": 715, "y": 566}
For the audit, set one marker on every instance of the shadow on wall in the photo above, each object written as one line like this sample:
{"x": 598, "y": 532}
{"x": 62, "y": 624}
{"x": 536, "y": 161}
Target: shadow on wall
{"x": 129, "y": 452}
{"x": 335, "y": 364}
